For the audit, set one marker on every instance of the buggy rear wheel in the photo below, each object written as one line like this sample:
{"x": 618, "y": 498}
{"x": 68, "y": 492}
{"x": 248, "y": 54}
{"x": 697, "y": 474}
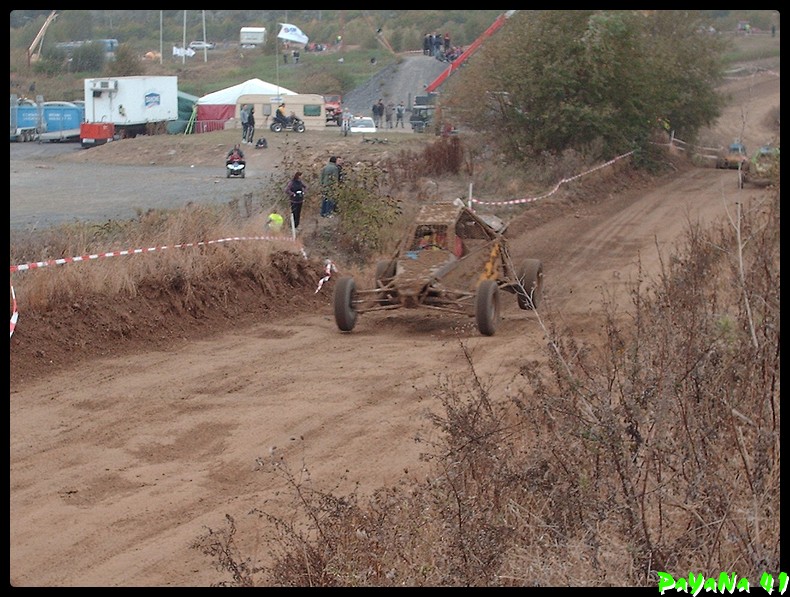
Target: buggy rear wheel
{"x": 530, "y": 290}
{"x": 345, "y": 314}
{"x": 487, "y": 307}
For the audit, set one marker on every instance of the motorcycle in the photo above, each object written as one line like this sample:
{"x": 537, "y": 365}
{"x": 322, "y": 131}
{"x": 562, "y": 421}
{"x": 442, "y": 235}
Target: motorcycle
{"x": 235, "y": 167}
{"x": 293, "y": 123}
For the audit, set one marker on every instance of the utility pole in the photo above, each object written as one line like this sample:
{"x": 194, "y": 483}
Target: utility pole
{"x": 342, "y": 27}
{"x": 161, "y": 48}
{"x": 205, "y": 49}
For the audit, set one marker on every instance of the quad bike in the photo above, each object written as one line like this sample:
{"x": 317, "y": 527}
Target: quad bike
{"x": 235, "y": 166}
{"x": 292, "y": 123}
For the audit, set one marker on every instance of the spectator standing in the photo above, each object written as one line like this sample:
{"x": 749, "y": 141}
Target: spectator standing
{"x": 381, "y": 110}
{"x": 347, "y": 117}
{"x": 400, "y": 112}
{"x": 330, "y": 180}
{"x": 251, "y": 126}
{"x": 376, "y": 114}
{"x": 446, "y": 43}
{"x": 426, "y": 44}
{"x": 245, "y": 118}
{"x": 390, "y": 110}
{"x": 437, "y": 45}
{"x": 296, "y": 190}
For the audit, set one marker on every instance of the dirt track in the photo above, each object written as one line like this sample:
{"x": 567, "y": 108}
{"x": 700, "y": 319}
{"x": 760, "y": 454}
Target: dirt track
{"x": 118, "y": 464}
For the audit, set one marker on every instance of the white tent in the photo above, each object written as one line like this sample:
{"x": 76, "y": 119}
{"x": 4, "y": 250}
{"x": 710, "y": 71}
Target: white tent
{"x": 221, "y": 105}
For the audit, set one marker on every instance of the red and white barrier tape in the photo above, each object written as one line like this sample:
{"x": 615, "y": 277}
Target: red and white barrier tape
{"x": 556, "y": 188}
{"x": 39, "y": 264}
{"x": 329, "y": 269}
{"x": 14, "y": 312}
{"x": 63, "y": 261}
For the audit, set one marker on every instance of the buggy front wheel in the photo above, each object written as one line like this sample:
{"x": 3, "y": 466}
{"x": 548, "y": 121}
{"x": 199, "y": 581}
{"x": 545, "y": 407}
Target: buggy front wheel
{"x": 345, "y": 314}
{"x": 487, "y": 307}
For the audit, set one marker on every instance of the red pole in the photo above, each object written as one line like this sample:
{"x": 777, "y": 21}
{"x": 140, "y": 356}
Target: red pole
{"x": 455, "y": 64}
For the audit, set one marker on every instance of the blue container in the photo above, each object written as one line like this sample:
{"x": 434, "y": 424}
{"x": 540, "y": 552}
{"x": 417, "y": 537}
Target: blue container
{"x": 26, "y": 116}
{"x": 56, "y": 116}
{"x": 62, "y": 116}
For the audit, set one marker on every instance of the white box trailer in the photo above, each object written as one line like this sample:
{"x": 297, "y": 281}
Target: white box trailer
{"x": 134, "y": 105}
{"x": 252, "y": 36}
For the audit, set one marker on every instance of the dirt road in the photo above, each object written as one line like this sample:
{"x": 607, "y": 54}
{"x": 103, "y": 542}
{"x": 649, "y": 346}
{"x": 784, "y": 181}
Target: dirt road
{"x": 118, "y": 464}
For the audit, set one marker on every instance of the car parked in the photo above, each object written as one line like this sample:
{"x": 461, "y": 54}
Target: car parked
{"x": 362, "y": 124}
{"x": 202, "y": 45}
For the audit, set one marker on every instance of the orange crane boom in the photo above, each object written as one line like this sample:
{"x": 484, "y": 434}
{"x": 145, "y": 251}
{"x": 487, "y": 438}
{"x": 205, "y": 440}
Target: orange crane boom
{"x": 456, "y": 64}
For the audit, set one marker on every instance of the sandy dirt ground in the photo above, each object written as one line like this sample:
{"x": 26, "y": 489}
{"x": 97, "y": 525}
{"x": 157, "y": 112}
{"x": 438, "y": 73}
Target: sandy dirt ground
{"x": 119, "y": 462}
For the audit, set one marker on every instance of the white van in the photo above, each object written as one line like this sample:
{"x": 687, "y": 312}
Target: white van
{"x": 307, "y": 106}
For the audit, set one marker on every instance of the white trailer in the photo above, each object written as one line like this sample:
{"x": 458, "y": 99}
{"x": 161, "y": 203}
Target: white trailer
{"x": 252, "y": 36}
{"x": 134, "y": 105}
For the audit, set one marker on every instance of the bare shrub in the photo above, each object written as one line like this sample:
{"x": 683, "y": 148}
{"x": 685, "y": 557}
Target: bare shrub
{"x": 665, "y": 430}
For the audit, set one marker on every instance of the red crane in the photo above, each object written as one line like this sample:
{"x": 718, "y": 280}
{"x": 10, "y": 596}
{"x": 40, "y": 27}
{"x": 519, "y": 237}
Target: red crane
{"x": 456, "y": 64}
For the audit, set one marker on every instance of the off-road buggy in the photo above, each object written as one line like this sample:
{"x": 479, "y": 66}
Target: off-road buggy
{"x": 451, "y": 259}
{"x": 762, "y": 169}
{"x": 733, "y": 156}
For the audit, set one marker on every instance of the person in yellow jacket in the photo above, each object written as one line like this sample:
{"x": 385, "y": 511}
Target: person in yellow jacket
{"x": 275, "y": 223}
{"x": 279, "y": 115}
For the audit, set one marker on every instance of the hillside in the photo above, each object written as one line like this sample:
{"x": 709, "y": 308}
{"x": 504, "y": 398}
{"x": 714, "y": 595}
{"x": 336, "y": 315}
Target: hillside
{"x": 398, "y": 82}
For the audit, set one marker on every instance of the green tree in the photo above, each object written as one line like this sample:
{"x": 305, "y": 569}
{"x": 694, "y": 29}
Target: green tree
{"x": 88, "y": 57}
{"x": 127, "y": 62}
{"x": 599, "y": 82}
{"x": 72, "y": 25}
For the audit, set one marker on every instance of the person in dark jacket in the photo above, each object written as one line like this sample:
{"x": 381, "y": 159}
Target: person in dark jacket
{"x": 296, "y": 189}
{"x": 250, "y": 126}
{"x": 330, "y": 180}
{"x": 235, "y": 154}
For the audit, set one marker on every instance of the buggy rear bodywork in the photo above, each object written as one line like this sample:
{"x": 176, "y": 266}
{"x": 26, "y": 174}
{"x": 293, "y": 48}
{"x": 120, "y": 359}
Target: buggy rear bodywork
{"x": 451, "y": 259}
{"x": 762, "y": 169}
